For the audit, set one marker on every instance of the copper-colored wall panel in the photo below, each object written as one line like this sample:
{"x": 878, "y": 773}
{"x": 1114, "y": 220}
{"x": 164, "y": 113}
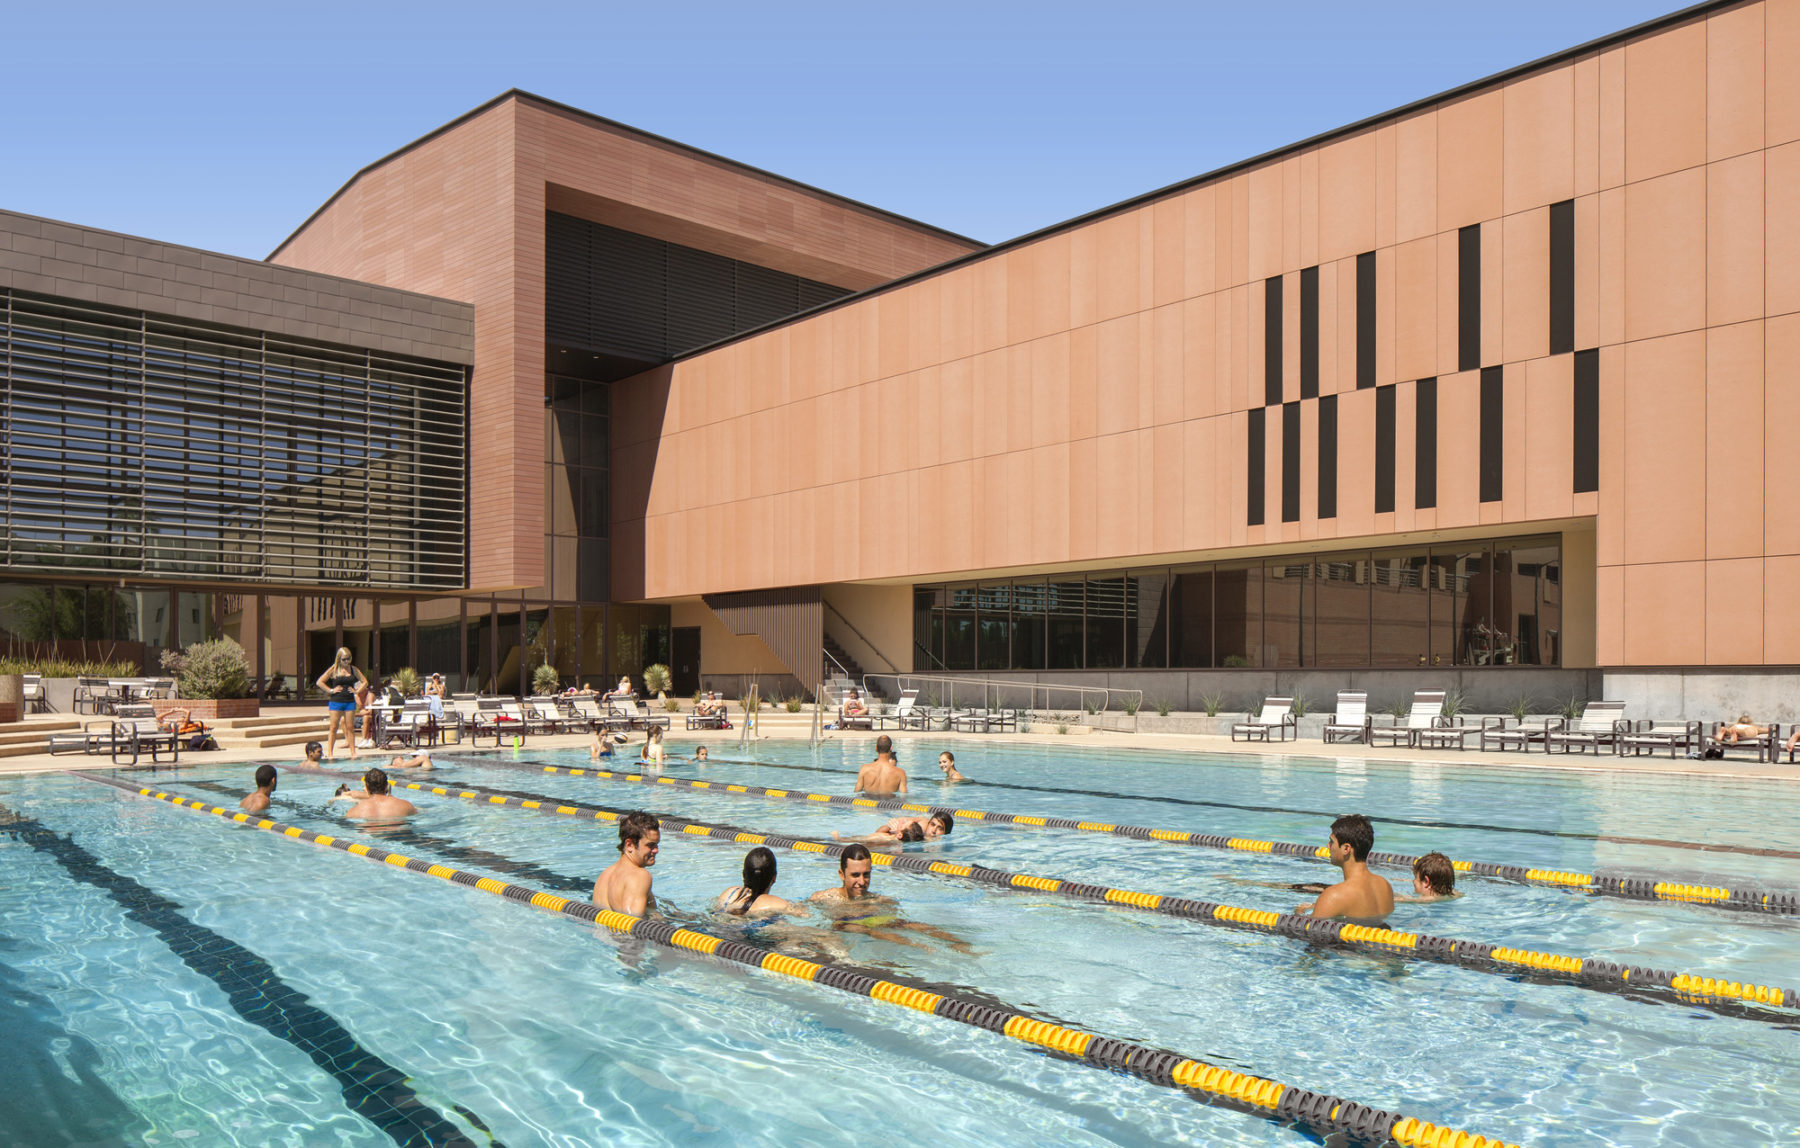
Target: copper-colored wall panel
{"x": 1735, "y": 50}
{"x": 1549, "y": 450}
{"x": 1734, "y": 635}
{"x": 1665, "y": 449}
{"x": 1734, "y": 458}
{"x": 1539, "y": 127}
{"x": 1468, "y": 161}
{"x": 1781, "y": 610}
{"x": 1663, "y": 626}
{"x": 1734, "y": 239}
{"x": 1781, "y": 61}
{"x": 1665, "y": 255}
{"x": 1665, "y": 102}
{"x": 1523, "y": 266}
{"x": 1780, "y": 415}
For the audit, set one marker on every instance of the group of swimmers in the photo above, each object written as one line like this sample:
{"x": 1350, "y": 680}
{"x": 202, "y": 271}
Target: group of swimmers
{"x": 373, "y": 802}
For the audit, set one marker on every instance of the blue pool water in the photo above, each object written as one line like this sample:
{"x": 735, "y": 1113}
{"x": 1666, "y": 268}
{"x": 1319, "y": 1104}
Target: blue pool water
{"x": 168, "y": 978}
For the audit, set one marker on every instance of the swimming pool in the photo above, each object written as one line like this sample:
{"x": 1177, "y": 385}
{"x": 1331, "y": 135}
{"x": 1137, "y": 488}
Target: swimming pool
{"x": 175, "y": 979}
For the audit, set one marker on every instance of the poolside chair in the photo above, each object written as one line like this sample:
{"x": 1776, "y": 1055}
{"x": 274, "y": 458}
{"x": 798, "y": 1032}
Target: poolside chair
{"x": 974, "y": 721}
{"x": 864, "y": 720}
{"x": 545, "y": 715}
{"x": 589, "y": 713}
{"x": 92, "y": 693}
{"x": 1427, "y": 709}
{"x": 93, "y": 737}
{"x": 135, "y": 730}
{"x": 32, "y": 697}
{"x": 1501, "y": 732}
{"x": 903, "y": 715}
{"x": 412, "y": 726}
{"x": 1678, "y": 737}
{"x": 492, "y": 718}
{"x": 714, "y": 718}
{"x": 637, "y": 715}
{"x": 1276, "y": 716}
{"x": 1765, "y": 747}
{"x": 1351, "y": 721}
{"x": 1598, "y": 725}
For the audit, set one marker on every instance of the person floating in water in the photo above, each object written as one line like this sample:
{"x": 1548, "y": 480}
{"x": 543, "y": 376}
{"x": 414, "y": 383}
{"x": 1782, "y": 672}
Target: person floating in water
{"x": 699, "y": 754}
{"x": 314, "y": 754}
{"x": 378, "y": 804}
{"x": 855, "y": 909}
{"x": 752, "y": 898}
{"x": 905, "y": 829}
{"x": 625, "y": 885}
{"x": 882, "y": 777}
{"x": 1362, "y": 897}
{"x": 947, "y": 763}
{"x": 421, "y": 761}
{"x": 1434, "y": 878}
{"x": 258, "y": 802}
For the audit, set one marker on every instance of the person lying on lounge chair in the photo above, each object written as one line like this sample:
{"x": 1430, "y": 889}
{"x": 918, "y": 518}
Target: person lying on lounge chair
{"x": 1743, "y": 729}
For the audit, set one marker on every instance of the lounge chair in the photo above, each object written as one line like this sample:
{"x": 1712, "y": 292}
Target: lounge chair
{"x": 864, "y": 720}
{"x": 1599, "y": 725}
{"x": 546, "y": 715}
{"x": 92, "y": 693}
{"x": 1276, "y": 716}
{"x": 637, "y": 715}
{"x": 493, "y": 717}
{"x": 1427, "y": 710}
{"x": 1351, "y": 721}
{"x": 903, "y": 716}
{"x": 412, "y": 726}
{"x": 1678, "y": 737}
{"x": 974, "y": 721}
{"x": 32, "y": 697}
{"x": 589, "y": 713}
{"x": 135, "y": 730}
{"x": 714, "y": 718}
{"x": 1765, "y": 747}
{"x": 1502, "y": 732}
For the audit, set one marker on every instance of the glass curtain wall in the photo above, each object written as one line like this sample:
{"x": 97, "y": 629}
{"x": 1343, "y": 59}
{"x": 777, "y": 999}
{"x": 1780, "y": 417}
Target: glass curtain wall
{"x": 1473, "y": 604}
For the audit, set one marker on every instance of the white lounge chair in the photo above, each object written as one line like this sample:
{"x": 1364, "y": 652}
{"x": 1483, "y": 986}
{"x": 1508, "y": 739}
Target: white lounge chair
{"x": 1678, "y": 737}
{"x": 1351, "y": 721}
{"x": 32, "y": 697}
{"x": 636, "y": 715}
{"x": 1426, "y": 712}
{"x": 903, "y": 715}
{"x": 1599, "y": 725}
{"x": 1276, "y": 716}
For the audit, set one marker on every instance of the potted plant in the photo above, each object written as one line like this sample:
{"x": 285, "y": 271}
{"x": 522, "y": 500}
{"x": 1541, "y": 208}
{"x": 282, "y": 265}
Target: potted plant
{"x": 545, "y": 680}
{"x": 407, "y": 681}
{"x": 657, "y": 680}
{"x": 214, "y": 672}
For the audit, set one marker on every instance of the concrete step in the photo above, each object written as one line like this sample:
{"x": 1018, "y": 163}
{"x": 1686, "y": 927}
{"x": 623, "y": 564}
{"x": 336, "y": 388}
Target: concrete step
{"x": 39, "y": 728}
{"x": 270, "y": 720}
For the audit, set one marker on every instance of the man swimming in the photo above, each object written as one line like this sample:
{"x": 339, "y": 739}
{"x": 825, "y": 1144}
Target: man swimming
{"x": 314, "y": 754}
{"x": 882, "y": 777}
{"x": 258, "y": 802}
{"x": 625, "y": 885}
{"x": 379, "y": 805}
{"x": 854, "y": 909}
{"x": 421, "y": 761}
{"x": 1362, "y": 897}
{"x": 904, "y": 829}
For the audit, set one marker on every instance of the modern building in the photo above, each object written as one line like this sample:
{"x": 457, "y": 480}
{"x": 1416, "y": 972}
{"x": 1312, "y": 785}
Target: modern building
{"x": 1491, "y": 391}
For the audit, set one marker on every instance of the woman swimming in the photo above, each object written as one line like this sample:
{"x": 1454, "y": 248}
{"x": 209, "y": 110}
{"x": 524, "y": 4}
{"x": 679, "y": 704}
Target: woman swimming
{"x": 753, "y": 896}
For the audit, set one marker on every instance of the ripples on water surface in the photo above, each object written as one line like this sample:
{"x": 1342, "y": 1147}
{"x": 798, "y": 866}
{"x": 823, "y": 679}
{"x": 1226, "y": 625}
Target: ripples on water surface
{"x": 509, "y": 1024}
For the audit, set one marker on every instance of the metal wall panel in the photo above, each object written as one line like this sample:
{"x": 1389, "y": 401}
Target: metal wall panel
{"x": 790, "y": 620}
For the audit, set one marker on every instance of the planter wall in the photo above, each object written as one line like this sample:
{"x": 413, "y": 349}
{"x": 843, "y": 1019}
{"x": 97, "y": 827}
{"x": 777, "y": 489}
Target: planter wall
{"x": 9, "y": 711}
{"x": 210, "y": 709}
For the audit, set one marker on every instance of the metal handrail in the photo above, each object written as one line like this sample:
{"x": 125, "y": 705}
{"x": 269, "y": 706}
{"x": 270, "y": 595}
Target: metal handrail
{"x": 818, "y": 722}
{"x": 752, "y": 702}
{"x": 842, "y": 672}
{"x": 892, "y": 664}
{"x": 1090, "y": 701}
{"x": 919, "y": 647}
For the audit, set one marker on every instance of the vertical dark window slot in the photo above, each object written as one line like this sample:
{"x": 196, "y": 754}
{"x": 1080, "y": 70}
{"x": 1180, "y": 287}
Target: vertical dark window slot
{"x": 1562, "y": 277}
{"x": 1309, "y": 333}
{"x": 1255, "y": 465}
{"x": 1328, "y": 457}
{"x": 1384, "y": 450}
{"x": 1587, "y": 421}
{"x": 1272, "y": 341}
{"x": 1365, "y": 320}
{"x": 1468, "y": 295}
{"x": 1425, "y": 438}
{"x": 1493, "y": 433}
{"x": 1290, "y": 462}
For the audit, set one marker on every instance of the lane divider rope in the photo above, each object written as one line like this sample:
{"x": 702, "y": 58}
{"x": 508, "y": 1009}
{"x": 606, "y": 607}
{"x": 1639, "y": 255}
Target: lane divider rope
{"x": 1633, "y": 888}
{"x": 1481, "y": 956}
{"x": 1323, "y": 1114}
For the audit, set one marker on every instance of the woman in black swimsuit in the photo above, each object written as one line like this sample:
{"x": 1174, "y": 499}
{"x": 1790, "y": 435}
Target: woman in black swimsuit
{"x": 342, "y": 682}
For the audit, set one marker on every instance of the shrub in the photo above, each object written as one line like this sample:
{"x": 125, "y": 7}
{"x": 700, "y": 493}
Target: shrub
{"x": 61, "y": 668}
{"x": 407, "y": 681}
{"x": 1234, "y": 660}
{"x": 1091, "y": 707}
{"x": 1212, "y": 704}
{"x": 1132, "y": 706}
{"x": 1572, "y": 708}
{"x": 545, "y": 680}
{"x": 792, "y": 704}
{"x": 1062, "y": 727}
{"x": 1163, "y": 706}
{"x": 1520, "y": 706}
{"x": 1400, "y": 709}
{"x": 1455, "y": 702}
{"x": 1301, "y": 704}
{"x": 656, "y": 679}
{"x": 672, "y": 706}
{"x": 215, "y": 669}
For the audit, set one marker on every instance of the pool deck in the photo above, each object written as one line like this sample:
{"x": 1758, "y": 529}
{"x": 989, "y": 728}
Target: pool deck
{"x": 1741, "y": 770}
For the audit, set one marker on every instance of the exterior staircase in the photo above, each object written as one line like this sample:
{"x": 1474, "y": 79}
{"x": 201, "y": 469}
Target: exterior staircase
{"x": 853, "y": 672}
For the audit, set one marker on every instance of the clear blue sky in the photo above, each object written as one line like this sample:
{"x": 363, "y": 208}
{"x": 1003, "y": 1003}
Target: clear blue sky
{"x": 224, "y": 126}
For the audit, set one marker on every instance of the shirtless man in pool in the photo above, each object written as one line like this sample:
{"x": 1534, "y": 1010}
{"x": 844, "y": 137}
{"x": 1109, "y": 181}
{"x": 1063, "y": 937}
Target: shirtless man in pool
{"x": 854, "y": 909}
{"x": 625, "y": 886}
{"x": 882, "y": 777}
{"x": 939, "y": 824}
{"x": 379, "y": 805}
{"x": 1362, "y": 897}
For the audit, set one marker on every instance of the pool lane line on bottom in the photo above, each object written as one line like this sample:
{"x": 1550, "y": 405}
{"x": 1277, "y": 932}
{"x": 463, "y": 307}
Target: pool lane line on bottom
{"x": 1632, "y": 888}
{"x": 370, "y": 1087}
{"x": 1715, "y": 993}
{"x": 1320, "y": 1113}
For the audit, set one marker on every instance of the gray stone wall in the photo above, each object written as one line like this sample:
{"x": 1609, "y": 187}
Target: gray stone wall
{"x": 48, "y": 257}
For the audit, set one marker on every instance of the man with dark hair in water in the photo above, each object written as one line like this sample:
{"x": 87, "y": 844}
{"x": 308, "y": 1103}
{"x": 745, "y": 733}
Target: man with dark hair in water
{"x": 854, "y": 909}
{"x": 1434, "y": 878}
{"x": 1362, "y": 897}
{"x": 379, "y": 805}
{"x": 314, "y": 754}
{"x": 625, "y": 885}
{"x": 905, "y": 829}
{"x": 882, "y": 777}
{"x": 258, "y": 802}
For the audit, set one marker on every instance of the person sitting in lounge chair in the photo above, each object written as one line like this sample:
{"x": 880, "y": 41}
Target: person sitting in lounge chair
{"x": 622, "y": 691}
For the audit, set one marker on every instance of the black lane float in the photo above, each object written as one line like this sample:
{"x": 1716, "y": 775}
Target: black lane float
{"x": 1323, "y": 1114}
{"x": 1716, "y": 993}
{"x": 1633, "y": 888}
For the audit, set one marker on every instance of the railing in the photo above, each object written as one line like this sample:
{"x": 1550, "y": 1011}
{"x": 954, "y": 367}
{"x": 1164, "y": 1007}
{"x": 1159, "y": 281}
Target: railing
{"x": 752, "y": 702}
{"x": 920, "y": 649}
{"x": 818, "y": 722}
{"x": 876, "y": 650}
{"x": 1074, "y": 705}
{"x": 837, "y": 665}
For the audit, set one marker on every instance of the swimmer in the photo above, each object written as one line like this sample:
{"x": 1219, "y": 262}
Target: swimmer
{"x": 904, "y": 829}
{"x": 422, "y": 761}
{"x": 854, "y": 909}
{"x": 314, "y": 751}
{"x": 1434, "y": 879}
{"x": 947, "y": 763}
{"x": 699, "y": 754}
{"x": 882, "y": 777}
{"x": 379, "y": 804}
{"x": 651, "y": 755}
{"x": 625, "y": 885}
{"x": 258, "y": 802}
{"x": 603, "y": 743}
{"x": 752, "y": 898}
{"x": 1362, "y": 897}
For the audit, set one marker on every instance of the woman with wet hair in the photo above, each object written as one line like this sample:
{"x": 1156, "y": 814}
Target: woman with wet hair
{"x": 753, "y": 898}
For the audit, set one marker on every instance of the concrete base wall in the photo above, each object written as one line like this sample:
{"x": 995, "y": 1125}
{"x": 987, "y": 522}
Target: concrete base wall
{"x": 1709, "y": 695}
{"x": 732, "y": 687}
